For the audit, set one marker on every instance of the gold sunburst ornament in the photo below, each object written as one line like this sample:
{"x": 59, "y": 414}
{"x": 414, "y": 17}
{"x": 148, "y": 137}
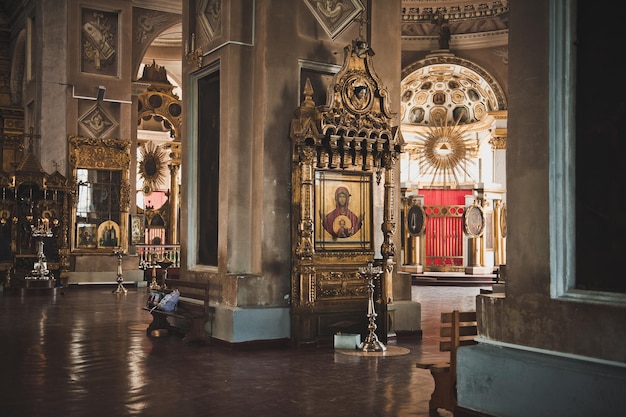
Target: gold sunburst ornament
{"x": 445, "y": 154}
{"x": 152, "y": 165}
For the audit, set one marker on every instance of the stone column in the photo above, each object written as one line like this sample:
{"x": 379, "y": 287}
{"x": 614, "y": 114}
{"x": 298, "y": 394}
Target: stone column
{"x": 174, "y": 166}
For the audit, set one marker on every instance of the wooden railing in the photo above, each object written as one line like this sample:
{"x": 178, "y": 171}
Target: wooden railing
{"x": 149, "y": 254}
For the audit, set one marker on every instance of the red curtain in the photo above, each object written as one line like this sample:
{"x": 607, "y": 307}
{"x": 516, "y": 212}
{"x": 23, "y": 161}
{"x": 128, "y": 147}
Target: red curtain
{"x": 444, "y": 197}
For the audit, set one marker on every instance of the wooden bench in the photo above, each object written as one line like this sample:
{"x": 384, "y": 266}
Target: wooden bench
{"x": 191, "y": 314}
{"x": 458, "y": 328}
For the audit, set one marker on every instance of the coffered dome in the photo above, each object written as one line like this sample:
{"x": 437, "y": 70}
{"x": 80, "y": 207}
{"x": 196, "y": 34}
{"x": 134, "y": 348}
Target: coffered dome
{"x": 446, "y": 93}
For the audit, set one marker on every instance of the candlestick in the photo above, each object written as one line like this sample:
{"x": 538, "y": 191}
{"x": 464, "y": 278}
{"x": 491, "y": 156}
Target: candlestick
{"x": 371, "y": 343}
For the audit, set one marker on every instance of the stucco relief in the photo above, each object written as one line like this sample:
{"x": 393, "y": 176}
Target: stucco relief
{"x": 97, "y": 122}
{"x": 210, "y": 17}
{"x": 99, "y": 41}
{"x": 148, "y": 24}
{"x": 334, "y": 15}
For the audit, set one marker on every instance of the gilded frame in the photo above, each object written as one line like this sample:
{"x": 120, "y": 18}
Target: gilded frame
{"x": 343, "y": 228}
{"x": 109, "y": 235}
{"x": 474, "y": 221}
{"x": 101, "y": 154}
{"x": 415, "y": 219}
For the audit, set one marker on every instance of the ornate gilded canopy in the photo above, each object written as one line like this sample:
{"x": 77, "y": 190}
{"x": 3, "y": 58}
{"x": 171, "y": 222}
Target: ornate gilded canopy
{"x": 337, "y": 150}
{"x": 354, "y": 129}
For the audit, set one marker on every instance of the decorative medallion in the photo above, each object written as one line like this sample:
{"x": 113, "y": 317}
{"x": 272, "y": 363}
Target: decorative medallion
{"x": 439, "y": 115}
{"x": 334, "y": 15}
{"x": 357, "y": 93}
{"x": 474, "y": 220}
{"x": 152, "y": 166}
{"x": 97, "y": 122}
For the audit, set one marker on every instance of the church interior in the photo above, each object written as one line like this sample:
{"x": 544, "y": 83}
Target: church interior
{"x": 308, "y": 164}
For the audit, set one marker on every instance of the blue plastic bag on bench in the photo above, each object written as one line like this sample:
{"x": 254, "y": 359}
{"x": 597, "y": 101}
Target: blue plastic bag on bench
{"x": 169, "y": 301}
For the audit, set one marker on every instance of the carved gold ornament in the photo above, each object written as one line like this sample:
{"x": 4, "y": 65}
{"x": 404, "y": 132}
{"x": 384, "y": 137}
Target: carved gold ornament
{"x": 445, "y": 153}
{"x": 152, "y": 165}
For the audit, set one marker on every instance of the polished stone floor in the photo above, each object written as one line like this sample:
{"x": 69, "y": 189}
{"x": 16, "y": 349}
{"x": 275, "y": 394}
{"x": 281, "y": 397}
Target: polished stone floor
{"x": 84, "y": 352}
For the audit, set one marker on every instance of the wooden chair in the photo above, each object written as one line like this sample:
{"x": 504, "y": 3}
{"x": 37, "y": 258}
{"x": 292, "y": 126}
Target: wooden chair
{"x": 458, "y": 328}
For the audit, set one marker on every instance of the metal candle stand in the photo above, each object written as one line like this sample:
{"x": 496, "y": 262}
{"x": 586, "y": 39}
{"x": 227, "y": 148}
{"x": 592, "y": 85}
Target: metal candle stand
{"x": 40, "y": 270}
{"x": 164, "y": 264}
{"x": 371, "y": 343}
{"x": 120, "y": 277}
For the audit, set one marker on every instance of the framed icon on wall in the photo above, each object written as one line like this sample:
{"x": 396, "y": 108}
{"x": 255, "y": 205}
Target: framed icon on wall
{"x": 86, "y": 234}
{"x": 343, "y": 211}
{"x": 416, "y": 220}
{"x": 108, "y": 234}
{"x": 474, "y": 220}
{"x": 137, "y": 229}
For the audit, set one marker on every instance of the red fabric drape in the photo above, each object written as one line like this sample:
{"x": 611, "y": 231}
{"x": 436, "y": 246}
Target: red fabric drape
{"x": 444, "y": 197}
{"x": 444, "y": 228}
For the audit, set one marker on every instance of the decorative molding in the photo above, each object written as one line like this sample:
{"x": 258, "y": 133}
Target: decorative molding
{"x": 424, "y": 11}
{"x": 169, "y": 6}
{"x": 90, "y": 153}
{"x": 478, "y": 40}
{"x": 498, "y": 142}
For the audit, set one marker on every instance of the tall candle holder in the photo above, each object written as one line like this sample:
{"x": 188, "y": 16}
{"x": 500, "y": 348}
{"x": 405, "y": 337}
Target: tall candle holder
{"x": 120, "y": 276}
{"x": 154, "y": 284}
{"x": 193, "y": 55}
{"x": 41, "y": 270}
{"x": 371, "y": 343}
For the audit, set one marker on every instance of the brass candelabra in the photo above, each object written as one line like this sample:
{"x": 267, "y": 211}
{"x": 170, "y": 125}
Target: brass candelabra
{"x": 193, "y": 55}
{"x": 371, "y": 342}
{"x": 120, "y": 276}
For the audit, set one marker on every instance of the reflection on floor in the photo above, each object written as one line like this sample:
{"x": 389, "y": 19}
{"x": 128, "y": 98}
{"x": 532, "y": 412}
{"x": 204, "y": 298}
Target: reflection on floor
{"x": 85, "y": 351}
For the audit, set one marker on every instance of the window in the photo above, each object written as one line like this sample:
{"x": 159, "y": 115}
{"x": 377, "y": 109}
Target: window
{"x": 98, "y": 196}
{"x": 586, "y": 149}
